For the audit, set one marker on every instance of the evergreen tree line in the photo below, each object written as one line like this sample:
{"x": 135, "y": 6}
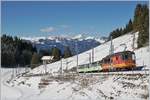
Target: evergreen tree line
{"x": 140, "y": 23}
{"x": 15, "y": 51}
{"x": 121, "y": 31}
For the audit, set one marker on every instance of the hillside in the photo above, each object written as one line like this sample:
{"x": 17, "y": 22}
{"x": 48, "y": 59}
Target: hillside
{"x": 100, "y": 52}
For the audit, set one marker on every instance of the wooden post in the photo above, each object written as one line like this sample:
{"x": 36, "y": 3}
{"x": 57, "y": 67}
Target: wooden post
{"x": 77, "y": 55}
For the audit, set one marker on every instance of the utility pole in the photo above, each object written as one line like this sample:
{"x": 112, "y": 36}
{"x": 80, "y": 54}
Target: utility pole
{"x": 133, "y": 45}
{"x": 26, "y": 68}
{"x": 66, "y": 63}
{"x": 12, "y": 73}
{"x": 61, "y": 66}
{"x": 90, "y": 58}
{"x": 111, "y": 47}
{"x": 45, "y": 67}
{"x": 76, "y": 45}
{"x": 89, "y": 54}
{"x": 18, "y": 69}
{"x": 111, "y": 51}
{"x": 92, "y": 54}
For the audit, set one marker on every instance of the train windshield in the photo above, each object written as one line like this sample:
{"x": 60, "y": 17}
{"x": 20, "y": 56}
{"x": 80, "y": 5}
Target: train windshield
{"x": 125, "y": 56}
{"x": 133, "y": 56}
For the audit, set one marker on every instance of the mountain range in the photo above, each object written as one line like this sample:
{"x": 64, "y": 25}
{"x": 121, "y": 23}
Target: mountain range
{"x": 77, "y": 44}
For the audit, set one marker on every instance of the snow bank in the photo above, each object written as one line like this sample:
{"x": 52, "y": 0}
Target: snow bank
{"x": 142, "y": 57}
{"x": 8, "y": 92}
{"x": 102, "y": 87}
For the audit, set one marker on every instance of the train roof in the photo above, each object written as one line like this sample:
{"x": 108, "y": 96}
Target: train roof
{"x": 123, "y": 52}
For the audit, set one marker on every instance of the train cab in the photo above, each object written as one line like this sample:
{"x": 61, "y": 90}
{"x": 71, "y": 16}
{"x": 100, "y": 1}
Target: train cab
{"x": 120, "y": 60}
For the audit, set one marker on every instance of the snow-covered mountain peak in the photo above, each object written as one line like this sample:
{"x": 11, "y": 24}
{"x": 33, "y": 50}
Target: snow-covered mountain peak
{"x": 45, "y": 42}
{"x": 78, "y": 36}
{"x": 33, "y": 39}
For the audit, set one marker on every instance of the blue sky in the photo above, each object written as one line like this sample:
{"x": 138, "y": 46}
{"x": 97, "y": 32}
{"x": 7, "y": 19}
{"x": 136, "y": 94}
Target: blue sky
{"x": 39, "y": 18}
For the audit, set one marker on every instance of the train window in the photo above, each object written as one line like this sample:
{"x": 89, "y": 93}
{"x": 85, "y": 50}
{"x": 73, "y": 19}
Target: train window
{"x": 125, "y": 57}
{"x": 108, "y": 60}
{"x": 133, "y": 56}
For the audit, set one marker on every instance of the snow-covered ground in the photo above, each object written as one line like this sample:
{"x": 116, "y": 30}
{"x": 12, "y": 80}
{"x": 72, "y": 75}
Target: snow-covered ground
{"x": 143, "y": 56}
{"x": 7, "y": 92}
{"x": 82, "y": 87}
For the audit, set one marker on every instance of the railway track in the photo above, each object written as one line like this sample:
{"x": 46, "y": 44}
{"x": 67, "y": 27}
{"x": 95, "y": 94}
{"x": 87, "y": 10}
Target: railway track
{"x": 131, "y": 72}
{"x": 139, "y": 72}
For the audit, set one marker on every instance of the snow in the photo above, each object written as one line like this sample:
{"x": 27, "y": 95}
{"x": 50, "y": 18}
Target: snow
{"x": 100, "y": 40}
{"x": 82, "y": 87}
{"x": 47, "y": 58}
{"x": 33, "y": 39}
{"x": 89, "y": 37}
{"x": 142, "y": 56}
{"x": 79, "y": 36}
{"x": 8, "y": 93}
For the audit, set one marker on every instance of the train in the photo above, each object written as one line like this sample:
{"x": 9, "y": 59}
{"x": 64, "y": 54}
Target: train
{"x": 124, "y": 60}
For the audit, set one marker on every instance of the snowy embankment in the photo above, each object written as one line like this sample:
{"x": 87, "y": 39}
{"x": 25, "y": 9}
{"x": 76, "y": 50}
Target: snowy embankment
{"x": 82, "y": 87}
{"x": 96, "y": 88}
{"x": 12, "y": 87}
{"x": 143, "y": 57}
{"x": 129, "y": 40}
{"x": 7, "y": 92}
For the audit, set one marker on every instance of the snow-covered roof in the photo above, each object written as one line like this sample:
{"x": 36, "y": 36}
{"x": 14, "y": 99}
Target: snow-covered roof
{"x": 47, "y": 57}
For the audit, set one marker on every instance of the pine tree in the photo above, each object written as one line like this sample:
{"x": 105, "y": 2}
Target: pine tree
{"x": 27, "y": 56}
{"x": 129, "y": 26}
{"x": 137, "y": 18}
{"x": 146, "y": 24}
{"x": 141, "y": 24}
{"x": 56, "y": 53}
{"x": 116, "y": 33}
{"x": 67, "y": 52}
{"x": 35, "y": 59}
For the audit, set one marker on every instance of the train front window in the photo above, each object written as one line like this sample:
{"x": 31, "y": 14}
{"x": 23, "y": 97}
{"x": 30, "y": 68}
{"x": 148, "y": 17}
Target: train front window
{"x": 133, "y": 56}
{"x": 125, "y": 57}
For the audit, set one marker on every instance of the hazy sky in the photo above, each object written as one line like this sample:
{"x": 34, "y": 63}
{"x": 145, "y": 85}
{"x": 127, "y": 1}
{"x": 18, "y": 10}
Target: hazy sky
{"x": 45, "y": 18}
